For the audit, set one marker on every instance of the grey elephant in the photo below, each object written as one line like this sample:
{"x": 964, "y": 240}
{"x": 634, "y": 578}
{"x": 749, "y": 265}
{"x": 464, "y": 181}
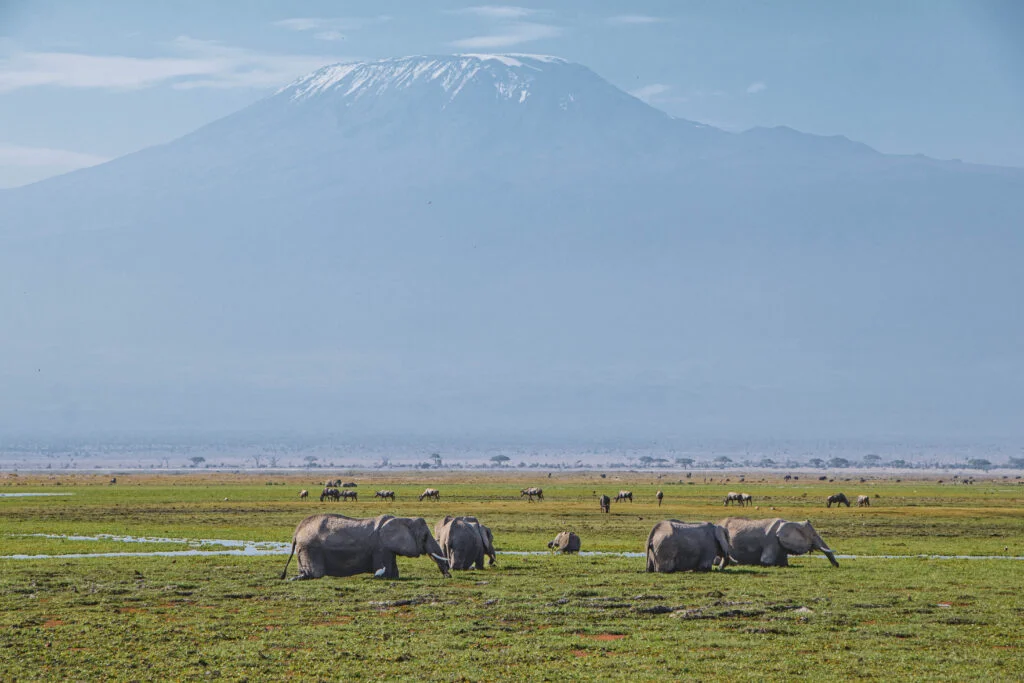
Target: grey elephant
{"x": 335, "y": 545}
{"x": 769, "y": 542}
{"x": 838, "y": 499}
{"x": 566, "y": 542}
{"x": 675, "y": 546}
{"x": 465, "y": 542}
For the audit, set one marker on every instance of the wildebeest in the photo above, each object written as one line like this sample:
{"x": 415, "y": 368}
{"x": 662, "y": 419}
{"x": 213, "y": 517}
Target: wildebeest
{"x": 531, "y": 492}
{"x": 733, "y": 497}
{"x": 605, "y": 503}
{"x": 349, "y": 485}
{"x": 838, "y": 499}
{"x": 113, "y": 480}
{"x": 303, "y": 494}
{"x": 863, "y": 501}
{"x": 330, "y": 493}
{"x": 346, "y": 495}
{"x": 659, "y": 495}
{"x": 431, "y": 493}
{"x": 384, "y": 494}
{"x": 624, "y": 495}
{"x": 746, "y": 499}
{"x": 332, "y": 482}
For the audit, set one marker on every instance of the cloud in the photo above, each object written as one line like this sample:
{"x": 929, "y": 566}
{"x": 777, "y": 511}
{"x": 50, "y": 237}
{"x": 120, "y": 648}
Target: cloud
{"x": 755, "y": 88}
{"x": 36, "y": 157}
{"x": 498, "y": 11}
{"x": 330, "y": 28}
{"x": 650, "y": 92}
{"x": 633, "y": 20}
{"x": 509, "y": 35}
{"x": 195, "y": 64}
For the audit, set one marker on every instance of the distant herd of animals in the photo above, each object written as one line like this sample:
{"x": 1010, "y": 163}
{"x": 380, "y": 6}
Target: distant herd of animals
{"x": 332, "y": 493}
{"x": 335, "y": 545}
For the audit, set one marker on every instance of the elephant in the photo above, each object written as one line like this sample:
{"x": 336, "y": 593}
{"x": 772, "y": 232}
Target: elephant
{"x": 863, "y": 501}
{"x": 465, "y": 542}
{"x": 674, "y": 546}
{"x": 531, "y": 492}
{"x": 385, "y": 494}
{"x": 624, "y": 495}
{"x": 605, "y": 502}
{"x": 303, "y": 494}
{"x": 566, "y": 542}
{"x": 431, "y": 493}
{"x": 659, "y": 495}
{"x": 769, "y": 542}
{"x": 733, "y": 497}
{"x": 335, "y": 545}
{"x": 838, "y": 499}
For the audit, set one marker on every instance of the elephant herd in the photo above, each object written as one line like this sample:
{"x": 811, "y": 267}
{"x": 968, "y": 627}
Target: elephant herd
{"x": 335, "y": 545}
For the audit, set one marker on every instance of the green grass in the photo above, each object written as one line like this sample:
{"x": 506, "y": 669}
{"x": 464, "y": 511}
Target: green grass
{"x": 530, "y": 617}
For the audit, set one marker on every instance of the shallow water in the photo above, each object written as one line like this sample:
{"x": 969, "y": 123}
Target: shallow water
{"x": 26, "y": 495}
{"x": 264, "y": 548}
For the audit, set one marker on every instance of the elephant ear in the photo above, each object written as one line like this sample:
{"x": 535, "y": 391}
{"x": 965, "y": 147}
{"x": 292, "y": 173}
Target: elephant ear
{"x": 397, "y": 536}
{"x": 794, "y": 538}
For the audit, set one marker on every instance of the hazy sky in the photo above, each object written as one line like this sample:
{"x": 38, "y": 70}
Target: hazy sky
{"x": 81, "y": 82}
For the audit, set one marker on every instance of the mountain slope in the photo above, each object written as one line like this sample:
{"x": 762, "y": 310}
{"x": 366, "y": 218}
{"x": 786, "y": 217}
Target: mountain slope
{"x": 485, "y": 244}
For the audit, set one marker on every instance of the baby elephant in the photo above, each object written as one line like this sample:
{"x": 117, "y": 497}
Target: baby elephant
{"x": 675, "y": 546}
{"x": 566, "y": 542}
{"x": 863, "y": 501}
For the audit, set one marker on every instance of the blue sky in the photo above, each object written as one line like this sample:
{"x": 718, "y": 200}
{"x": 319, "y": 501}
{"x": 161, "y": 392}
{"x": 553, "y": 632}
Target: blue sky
{"x": 84, "y": 82}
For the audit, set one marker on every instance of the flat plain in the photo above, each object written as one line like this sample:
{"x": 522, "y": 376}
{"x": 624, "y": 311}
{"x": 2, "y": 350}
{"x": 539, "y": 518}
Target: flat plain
{"x": 884, "y": 613}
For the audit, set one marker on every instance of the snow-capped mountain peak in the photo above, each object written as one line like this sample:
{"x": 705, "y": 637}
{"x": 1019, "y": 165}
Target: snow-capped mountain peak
{"x": 510, "y": 77}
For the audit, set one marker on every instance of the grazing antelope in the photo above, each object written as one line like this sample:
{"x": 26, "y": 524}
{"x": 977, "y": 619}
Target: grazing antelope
{"x": 605, "y": 503}
{"x": 838, "y": 499}
{"x": 330, "y": 493}
{"x": 384, "y": 495}
{"x": 431, "y": 493}
{"x": 863, "y": 501}
{"x": 531, "y": 492}
{"x": 733, "y": 497}
{"x": 659, "y": 495}
{"x": 624, "y": 495}
{"x": 346, "y": 495}
{"x": 303, "y": 494}
{"x": 746, "y": 499}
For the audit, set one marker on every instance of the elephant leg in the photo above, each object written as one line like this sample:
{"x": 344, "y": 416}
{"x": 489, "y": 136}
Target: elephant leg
{"x": 773, "y": 556}
{"x": 311, "y": 564}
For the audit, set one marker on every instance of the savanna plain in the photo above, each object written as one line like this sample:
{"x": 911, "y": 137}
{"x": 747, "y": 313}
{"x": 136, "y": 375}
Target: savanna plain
{"x": 531, "y": 616}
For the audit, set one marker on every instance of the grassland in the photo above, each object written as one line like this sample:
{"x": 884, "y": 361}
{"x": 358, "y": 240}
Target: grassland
{"x": 529, "y": 617}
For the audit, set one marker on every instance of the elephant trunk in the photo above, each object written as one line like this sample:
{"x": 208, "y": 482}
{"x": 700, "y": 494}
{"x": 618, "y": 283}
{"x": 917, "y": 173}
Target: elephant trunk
{"x": 828, "y": 552}
{"x": 434, "y": 550}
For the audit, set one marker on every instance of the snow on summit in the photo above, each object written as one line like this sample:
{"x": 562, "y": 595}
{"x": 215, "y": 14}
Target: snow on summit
{"x": 510, "y": 75}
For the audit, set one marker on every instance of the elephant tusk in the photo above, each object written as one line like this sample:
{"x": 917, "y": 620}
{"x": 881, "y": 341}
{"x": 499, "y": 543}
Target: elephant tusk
{"x": 439, "y": 558}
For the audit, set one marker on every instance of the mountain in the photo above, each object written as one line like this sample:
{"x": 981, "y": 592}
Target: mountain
{"x": 510, "y": 245}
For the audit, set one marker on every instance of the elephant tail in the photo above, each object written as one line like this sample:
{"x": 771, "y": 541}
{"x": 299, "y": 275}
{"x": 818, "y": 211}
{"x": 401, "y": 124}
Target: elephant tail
{"x": 285, "y": 572}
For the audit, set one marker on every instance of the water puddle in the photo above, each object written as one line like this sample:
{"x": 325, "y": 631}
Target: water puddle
{"x": 28, "y": 495}
{"x": 200, "y": 546}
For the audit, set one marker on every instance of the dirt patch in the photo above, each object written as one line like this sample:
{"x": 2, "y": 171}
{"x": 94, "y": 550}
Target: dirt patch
{"x": 52, "y": 623}
{"x": 580, "y": 653}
